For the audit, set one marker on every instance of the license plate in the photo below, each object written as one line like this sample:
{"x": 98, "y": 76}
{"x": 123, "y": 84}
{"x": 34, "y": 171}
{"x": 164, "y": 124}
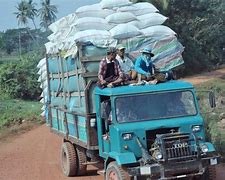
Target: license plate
{"x": 213, "y": 161}
{"x": 145, "y": 170}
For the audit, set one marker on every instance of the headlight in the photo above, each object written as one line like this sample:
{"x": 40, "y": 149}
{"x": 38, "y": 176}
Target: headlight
{"x": 157, "y": 155}
{"x": 196, "y": 128}
{"x": 204, "y": 148}
{"x": 127, "y": 136}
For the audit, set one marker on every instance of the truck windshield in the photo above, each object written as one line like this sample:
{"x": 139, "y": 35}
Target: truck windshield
{"x": 155, "y": 106}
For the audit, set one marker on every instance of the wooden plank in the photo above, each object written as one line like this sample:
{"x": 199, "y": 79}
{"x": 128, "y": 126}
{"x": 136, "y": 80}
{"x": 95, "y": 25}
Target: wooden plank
{"x": 71, "y": 73}
{"x": 89, "y": 75}
{"x": 91, "y": 59}
{"x": 74, "y": 94}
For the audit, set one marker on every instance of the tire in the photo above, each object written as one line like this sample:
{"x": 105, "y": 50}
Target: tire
{"x": 68, "y": 159}
{"x": 116, "y": 172}
{"x": 210, "y": 174}
{"x": 82, "y": 158}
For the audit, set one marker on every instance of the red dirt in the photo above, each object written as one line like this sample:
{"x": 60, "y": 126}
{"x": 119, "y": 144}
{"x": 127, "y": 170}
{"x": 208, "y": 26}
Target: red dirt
{"x": 35, "y": 155}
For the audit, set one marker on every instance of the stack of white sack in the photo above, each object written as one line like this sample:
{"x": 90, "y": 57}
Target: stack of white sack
{"x": 109, "y": 23}
{"x": 44, "y": 85}
{"x": 105, "y": 23}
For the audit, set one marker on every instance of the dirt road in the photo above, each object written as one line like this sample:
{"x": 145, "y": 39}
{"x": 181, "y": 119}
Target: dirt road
{"x": 35, "y": 155}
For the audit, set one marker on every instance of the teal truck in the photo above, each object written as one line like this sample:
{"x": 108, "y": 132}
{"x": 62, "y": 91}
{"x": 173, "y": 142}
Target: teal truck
{"x": 128, "y": 132}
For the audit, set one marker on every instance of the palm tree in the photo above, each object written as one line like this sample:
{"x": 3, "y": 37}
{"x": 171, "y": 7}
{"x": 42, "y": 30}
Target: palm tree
{"x": 32, "y": 11}
{"x": 47, "y": 13}
{"x": 26, "y": 10}
{"x": 21, "y": 15}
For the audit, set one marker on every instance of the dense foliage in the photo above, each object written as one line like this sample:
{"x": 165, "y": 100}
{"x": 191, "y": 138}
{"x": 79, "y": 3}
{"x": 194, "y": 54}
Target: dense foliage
{"x": 19, "y": 79}
{"x": 14, "y": 40}
{"x": 200, "y": 26}
{"x": 214, "y": 120}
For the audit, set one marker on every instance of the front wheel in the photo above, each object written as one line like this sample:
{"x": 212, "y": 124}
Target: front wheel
{"x": 210, "y": 174}
{"x": 116, "y": 172}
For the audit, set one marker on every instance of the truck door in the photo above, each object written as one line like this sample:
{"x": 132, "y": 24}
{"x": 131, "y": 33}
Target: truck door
{"x": 105, "y": 121}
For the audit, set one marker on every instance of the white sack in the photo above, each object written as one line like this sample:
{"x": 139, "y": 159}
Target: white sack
{"x": 123, "y": 31}
{"x": 144, "y": 8}
{"x": 51, "y": 37}
{"x": 43, "y": 114}
{"x": 87, "y": 35}
{"x": 43, "y": 76}
{"x": 151, "y": 19}
{"x": 120, "y": 17}
{"x": 94, "y": 10}
{"x": 139, "y": 8}
{"x": 43, "y": 107}
{"x": 134, "y": 23}
{"x": 62, "y": 23}
{"x": 159, "y": 30}
{"x": 49, "y": 47}
{"x": 108, "y": 4}
{"x": 92, "y": 23}
{"x": 41, "y": 63}
{"x": 42, "y": 100}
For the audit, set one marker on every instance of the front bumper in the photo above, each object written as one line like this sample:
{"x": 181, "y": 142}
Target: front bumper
{"x": 174, "y": 170}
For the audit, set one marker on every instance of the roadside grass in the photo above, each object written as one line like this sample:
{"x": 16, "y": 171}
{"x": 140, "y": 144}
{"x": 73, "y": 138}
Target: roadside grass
{"x": 18, "y": 115}
{"x": 7, "y": 59}
{"x": 214, "y": 118}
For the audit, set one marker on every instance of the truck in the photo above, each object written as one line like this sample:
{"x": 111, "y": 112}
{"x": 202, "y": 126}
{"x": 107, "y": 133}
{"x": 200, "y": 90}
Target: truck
{"x": 127, "y": 132}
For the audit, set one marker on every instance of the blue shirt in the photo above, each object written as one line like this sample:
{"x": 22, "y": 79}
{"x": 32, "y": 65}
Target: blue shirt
{"x": 143, "y": 65}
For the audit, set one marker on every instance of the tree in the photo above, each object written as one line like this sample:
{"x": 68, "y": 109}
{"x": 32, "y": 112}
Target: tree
{"x": 21, "y": 14}
{"x": 47, "y": 13}
{"x": 32, "y": 11}
{"x": 26, "y": 10}
{"x": 200, "y": 26}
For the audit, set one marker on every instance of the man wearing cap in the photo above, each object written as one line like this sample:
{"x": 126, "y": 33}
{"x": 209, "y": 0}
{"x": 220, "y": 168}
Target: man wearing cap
{"x": 144, "y": 65}
{"x": 126, "y": 64}
{"x": 110, "y": 73}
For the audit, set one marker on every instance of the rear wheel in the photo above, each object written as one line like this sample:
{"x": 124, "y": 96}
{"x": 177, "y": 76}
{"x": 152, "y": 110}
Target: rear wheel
{"x": 68, "y": 159}
{"x": 116, "y": 172}
{"x": 82, "y": 160}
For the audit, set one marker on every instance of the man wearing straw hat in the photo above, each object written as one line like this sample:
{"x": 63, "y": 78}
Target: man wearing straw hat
{"x": 146, "y": 70}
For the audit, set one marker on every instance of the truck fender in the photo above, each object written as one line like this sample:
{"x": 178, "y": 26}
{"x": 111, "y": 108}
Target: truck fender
{"x": 123, "y": 158}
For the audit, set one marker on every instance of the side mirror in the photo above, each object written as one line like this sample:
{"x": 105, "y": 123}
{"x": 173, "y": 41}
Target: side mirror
{"x": 212, "y": 99}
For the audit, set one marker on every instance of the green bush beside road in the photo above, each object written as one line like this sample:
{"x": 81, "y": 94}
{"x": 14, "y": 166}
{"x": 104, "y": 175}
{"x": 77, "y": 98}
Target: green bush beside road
{"x": 214, "y": 119}
{"x": 16, "y": 112}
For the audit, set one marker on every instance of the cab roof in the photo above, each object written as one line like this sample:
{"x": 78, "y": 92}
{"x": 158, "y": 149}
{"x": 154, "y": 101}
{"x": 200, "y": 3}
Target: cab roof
{"x": 125, "y": 90}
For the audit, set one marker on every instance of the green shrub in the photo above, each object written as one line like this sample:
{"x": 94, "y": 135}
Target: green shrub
{"x": 19, "y": 79}
{"x": 16, "y": 111}
{"x": 215, "y": 133}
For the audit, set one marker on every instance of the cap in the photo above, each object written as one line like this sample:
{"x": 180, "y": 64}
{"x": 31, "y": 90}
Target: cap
{"x": 111, "y": 50}
{"x": 120, "y": 47}
{"x": 148, "y": 51}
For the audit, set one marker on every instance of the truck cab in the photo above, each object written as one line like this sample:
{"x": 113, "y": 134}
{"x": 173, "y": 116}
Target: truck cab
{"x": 152, "y": 131}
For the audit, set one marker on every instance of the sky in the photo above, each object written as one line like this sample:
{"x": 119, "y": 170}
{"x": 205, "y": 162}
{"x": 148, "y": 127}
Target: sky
{"x": 65, "y": 7}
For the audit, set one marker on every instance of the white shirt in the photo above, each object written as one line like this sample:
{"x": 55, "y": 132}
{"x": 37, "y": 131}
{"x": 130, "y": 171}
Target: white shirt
{"x": 126, "y": 64}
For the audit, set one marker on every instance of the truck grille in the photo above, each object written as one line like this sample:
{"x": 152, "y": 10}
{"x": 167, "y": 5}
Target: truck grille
{"x": 177, "y": 146}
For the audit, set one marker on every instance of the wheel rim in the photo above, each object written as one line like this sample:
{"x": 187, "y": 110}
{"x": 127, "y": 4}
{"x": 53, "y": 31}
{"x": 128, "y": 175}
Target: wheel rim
{"x": 64, "y": 160}
{"x": 113, "y": 175}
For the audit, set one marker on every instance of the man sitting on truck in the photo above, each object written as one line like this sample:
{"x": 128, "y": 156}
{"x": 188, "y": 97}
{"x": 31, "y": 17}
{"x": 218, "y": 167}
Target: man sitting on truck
{"x": 146, "y": 69}
{"x": 110, "y": 73}
{"x": 126, "y": 64}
